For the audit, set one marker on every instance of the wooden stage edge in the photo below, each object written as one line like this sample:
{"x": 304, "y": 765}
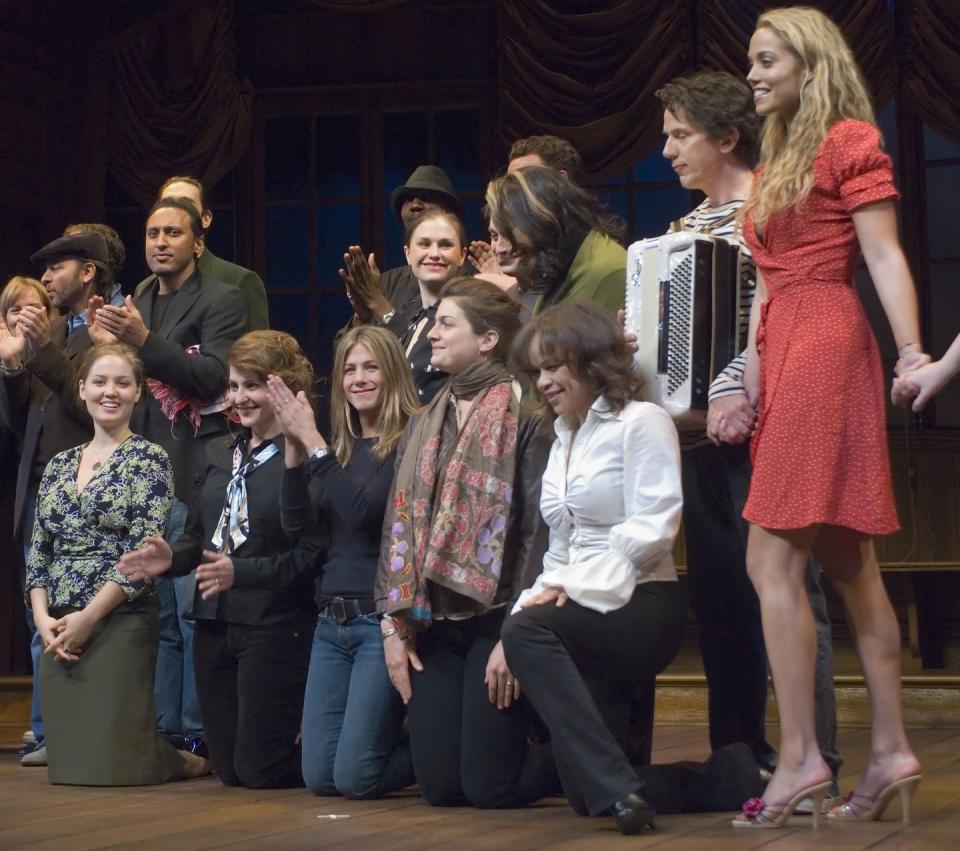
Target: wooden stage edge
{"x": 202, "y": 814}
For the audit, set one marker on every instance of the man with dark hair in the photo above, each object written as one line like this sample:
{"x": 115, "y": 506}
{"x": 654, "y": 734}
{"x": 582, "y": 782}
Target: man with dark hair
{"x": 213, "y": 267}
{"x": 712, "y": 141}
{"x": 551, "y": 151}
{"x": 392, "y": 298}
{"x": 116, "y": 253}
{"x": 183, "y": 323}
{"x": 42, "y": 392}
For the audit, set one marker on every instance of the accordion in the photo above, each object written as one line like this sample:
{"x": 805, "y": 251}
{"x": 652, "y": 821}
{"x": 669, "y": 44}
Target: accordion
{"x": 683, "y": 303}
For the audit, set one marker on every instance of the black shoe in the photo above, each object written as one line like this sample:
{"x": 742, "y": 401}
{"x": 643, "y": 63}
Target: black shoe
{"x": 632, "y": 814}
{"x": 196, "y": 745}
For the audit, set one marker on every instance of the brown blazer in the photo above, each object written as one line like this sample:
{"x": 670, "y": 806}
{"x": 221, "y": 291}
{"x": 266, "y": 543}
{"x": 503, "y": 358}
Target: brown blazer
{"x": 45, "y": 408}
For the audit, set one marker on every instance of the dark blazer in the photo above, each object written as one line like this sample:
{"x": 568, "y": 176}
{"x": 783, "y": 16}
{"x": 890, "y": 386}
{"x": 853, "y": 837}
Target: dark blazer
{"x": 207, "y": 313}
{"x": 274, "y": 574}
{"x": 45, "y": 408}
{"x": 248, "y": 281}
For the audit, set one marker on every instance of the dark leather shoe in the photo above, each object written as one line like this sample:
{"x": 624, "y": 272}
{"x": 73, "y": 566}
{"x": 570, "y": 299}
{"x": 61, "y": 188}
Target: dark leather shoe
{"x": 632, "y": 814}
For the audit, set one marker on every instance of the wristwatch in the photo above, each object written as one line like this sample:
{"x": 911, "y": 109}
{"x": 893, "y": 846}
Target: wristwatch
{"x": 320, "y": 452}
{"x": 387, "y": 317}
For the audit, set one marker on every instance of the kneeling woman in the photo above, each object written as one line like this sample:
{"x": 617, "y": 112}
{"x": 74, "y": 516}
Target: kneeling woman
{"x": 99, "y": 630}
{"x": 459, "y": 539}
{"x": 254, "y": 603}
{"x": 606, "y": 611}
{"x": 353, "y": 743}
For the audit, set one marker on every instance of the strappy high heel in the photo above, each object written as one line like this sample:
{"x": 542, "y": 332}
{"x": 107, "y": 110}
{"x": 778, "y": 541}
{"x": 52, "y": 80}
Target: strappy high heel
{"x": 864, "y": 808}
{"x": 758, "y": 813}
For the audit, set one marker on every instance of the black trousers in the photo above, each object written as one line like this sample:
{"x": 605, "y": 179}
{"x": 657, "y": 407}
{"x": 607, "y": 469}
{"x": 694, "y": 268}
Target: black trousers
{"x": 716, "y": 481}
{"x": 250, "y": 681}
{"x": 465, "y": 750}
{"x": 578, "y": 667}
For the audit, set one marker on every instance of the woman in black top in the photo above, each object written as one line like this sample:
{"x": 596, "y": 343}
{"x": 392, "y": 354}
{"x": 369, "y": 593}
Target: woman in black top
{"x": 254, "y": 602}
{"x": 352, "y": 717}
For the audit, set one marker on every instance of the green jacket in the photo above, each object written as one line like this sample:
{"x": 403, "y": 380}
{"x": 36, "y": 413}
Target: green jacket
{"x": 598, "y": 273}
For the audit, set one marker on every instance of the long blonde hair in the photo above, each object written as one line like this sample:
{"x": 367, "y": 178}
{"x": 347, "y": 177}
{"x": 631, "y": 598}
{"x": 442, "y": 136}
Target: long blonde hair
{"x": 398, "y": 396}
{"x": 833, "y": 90}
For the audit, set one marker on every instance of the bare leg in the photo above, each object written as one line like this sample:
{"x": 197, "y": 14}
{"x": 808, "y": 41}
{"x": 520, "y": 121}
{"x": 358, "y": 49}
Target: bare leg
{"x": 850, "y": 560}
{"x": 776, "y": 560}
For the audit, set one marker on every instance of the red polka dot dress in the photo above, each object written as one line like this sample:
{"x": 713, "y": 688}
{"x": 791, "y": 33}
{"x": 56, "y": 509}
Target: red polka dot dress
{"x": 820, "y": 451}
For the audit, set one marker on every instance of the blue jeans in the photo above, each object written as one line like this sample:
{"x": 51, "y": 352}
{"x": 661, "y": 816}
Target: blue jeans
{"x": 353, "y": 743}
{"x": 175, "y": 688}
{"x": 36, "y": 643}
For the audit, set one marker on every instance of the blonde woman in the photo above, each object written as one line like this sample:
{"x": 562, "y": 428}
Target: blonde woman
{"x": 821, "y": 478}
{"x": 352, "y": 716}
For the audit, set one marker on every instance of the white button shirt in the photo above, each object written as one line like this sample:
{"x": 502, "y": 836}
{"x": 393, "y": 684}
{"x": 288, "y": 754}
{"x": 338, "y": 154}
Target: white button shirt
{"x": 613, "y": 508}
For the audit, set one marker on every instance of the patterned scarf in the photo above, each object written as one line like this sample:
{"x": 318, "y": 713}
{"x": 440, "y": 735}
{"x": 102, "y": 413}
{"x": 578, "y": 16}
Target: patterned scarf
{"x": 234, "y": 522}
{"x": 449, "y": 515}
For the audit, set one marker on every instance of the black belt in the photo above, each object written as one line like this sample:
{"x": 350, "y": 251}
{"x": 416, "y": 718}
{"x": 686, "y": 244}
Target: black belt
{"x": 343, "y": 609}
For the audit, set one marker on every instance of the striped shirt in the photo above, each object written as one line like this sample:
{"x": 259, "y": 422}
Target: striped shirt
{"x": 722, "y": 221}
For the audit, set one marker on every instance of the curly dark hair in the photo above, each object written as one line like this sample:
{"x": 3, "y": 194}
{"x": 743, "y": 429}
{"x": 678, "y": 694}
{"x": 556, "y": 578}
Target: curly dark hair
{"x": 584, "y": 337}
{"x": 487, "y": 308}
{"x": 553, "y": 152}
{"x": 717, "y": 102}
{"x": 553, "y": 213}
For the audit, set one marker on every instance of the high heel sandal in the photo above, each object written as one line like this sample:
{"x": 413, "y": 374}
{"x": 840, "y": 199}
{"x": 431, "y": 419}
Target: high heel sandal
{"x": 757, "y": 813}
{"x": 864, "y": 808}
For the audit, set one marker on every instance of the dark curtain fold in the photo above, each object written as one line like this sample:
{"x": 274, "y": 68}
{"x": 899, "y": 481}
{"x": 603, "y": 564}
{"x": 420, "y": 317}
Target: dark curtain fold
{"x": 588, "y": 76}
{"x": 178, "y": 106}
{"x": 931, "y": 63}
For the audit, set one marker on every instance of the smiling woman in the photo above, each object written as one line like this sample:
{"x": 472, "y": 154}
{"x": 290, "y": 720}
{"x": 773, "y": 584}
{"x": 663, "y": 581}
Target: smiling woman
{"x": 99, "y": 629}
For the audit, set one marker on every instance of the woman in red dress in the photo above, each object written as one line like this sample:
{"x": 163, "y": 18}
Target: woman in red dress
{"x": 821, "y": 477}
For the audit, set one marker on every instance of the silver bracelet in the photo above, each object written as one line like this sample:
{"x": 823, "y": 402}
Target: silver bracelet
{"x": 12, "y": 370}
{"x": 392, "y": 631}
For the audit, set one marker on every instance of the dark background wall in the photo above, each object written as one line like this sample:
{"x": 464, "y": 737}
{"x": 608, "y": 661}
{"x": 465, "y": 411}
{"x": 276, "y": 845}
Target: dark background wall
{"x": 302, "y": 115}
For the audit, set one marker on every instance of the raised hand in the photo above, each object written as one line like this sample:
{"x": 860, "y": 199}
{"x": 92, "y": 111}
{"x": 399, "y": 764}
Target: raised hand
{"x": 294, "y": 414}
{"x": 362, "y": 278}
{"x": 480, "y": 255}
{"x": 12, "y": 345}
{"x": 34, "y": 324}
{"x": 152, "y": 560}
{"x": 125, "y": 322}
{"x": 99, "y": 335}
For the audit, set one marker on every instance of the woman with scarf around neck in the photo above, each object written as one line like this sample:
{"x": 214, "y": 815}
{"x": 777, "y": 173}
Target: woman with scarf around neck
{"x": 254, "y": 601}
{"x": 606, "y": 612}
{"x": 353, "y": 743}
{"x": 461, "y": 539}
{"x": 99, "y": 630}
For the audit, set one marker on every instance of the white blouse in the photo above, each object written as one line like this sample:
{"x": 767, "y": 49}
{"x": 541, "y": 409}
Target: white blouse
{"x": 613, "y": 508}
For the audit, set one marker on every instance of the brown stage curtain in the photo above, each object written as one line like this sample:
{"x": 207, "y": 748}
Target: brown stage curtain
{"x": 588, "y": 76}
{"x": 931, "y": 64}
{"x": 177, "y": 104}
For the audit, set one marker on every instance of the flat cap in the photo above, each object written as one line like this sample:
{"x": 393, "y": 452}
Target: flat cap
{"x": 87, "y": 246}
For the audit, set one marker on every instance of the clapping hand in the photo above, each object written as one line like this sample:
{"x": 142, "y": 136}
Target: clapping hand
{"x": 34, "y": 325}
{"x": 362, "y": 278}
{"x": 12, "y": 345}
{"x": 481, "y": 257}
{"x": 99, "y": 335}
{"x": 152, "y": 560}
{"x": 124, "y": 322}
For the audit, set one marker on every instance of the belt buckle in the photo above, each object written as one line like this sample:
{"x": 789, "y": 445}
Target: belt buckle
{"x": 339, "y": 610}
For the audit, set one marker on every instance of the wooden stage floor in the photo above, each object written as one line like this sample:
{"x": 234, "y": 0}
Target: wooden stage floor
{"x": 202, "y": 814}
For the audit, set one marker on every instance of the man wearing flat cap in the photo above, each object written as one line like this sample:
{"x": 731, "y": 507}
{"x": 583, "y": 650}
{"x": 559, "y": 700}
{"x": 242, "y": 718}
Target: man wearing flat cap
{"x": 392, "y": 298}
{"x": 42, "y": 388}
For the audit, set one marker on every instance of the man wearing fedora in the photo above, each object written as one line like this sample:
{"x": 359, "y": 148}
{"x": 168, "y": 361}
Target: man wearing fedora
{"x": 392, "y": 298}
{"x": 41, "y": 390}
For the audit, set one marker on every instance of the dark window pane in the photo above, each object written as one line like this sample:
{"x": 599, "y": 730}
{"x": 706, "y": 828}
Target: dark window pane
{"x": 405, "y": 146}
{"x": 220, "y": 238}
{"x": 338, "y": 155}
{"x": 619, "y": 180}
{"x": 935, "y": 147}
{"x": 944, "y": 310}
{"x": 943, "y": 188}
{"x": 288, "y": 246}
{"x": 457, "y": 137}
{"x": 222, "y": 194}
{"x": 291, "y": 313}
{"x": 338, "y": 227}
{"x": 287, "y": 155}
{"x": 656, "y": 208}
{"x": 476, "y": 224}
{"x": 653, "y": 168}
{"x": 392, "y": 240}
{"x": 332, "y": 314}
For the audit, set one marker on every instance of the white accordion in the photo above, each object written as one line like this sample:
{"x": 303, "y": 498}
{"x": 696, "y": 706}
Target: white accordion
{"x": 683, "y": 303}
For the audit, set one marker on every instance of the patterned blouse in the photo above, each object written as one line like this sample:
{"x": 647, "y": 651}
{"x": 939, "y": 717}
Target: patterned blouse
{"x": 78, "y": 538}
